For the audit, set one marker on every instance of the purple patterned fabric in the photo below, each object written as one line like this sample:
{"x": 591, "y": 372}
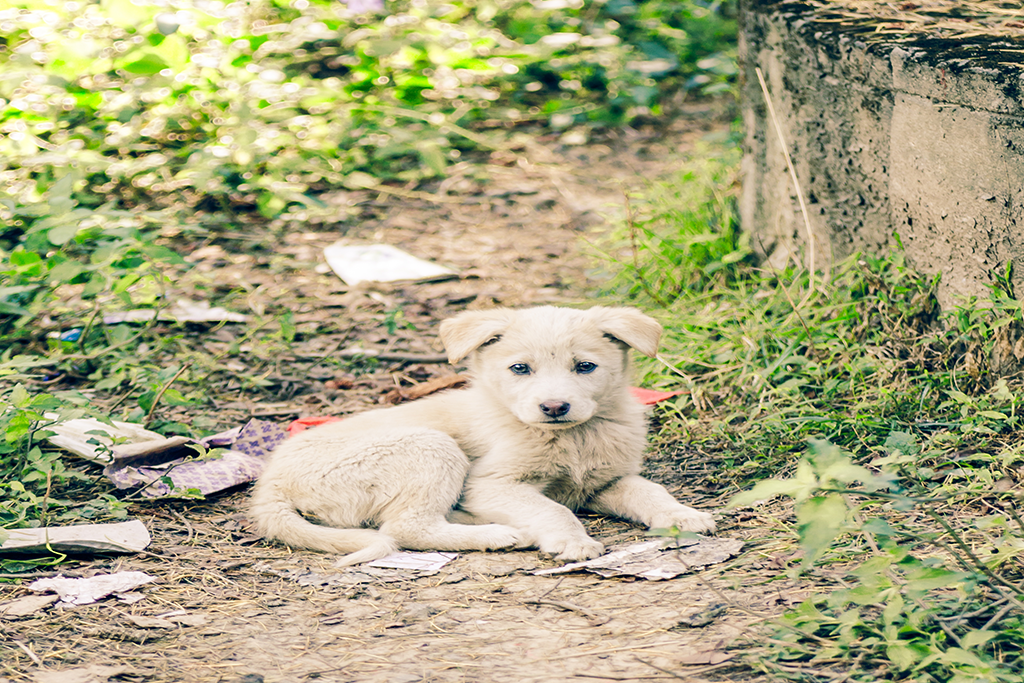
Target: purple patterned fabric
{"x": 241, "y": 463}
{"x": 222, "y": 439}
{"x": 259, "y": 437}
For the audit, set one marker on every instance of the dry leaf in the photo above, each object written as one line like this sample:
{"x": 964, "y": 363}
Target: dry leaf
{"x": 30, "y": 604}
{"x": 1018, "y": 349}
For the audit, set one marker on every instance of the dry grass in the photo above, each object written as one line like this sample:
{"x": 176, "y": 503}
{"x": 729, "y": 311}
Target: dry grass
{"x": 950, "y": 19}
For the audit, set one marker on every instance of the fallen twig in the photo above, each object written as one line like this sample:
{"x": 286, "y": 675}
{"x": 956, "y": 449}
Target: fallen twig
{"x": 690, "y": 672}
{"x": 393, "y": 356}
{"x": 31, "y": 655}
{"x": 163, "y": 390}
{"x": 796, "y": 182}
{"x": 594, "y": 619}
{"x": 623, "y": 678}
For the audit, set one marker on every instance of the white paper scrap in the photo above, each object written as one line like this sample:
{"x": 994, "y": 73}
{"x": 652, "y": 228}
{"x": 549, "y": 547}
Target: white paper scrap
{"x": 428, "y": 562}
{"x": 655, "y": 561}
{"x": 120, "y": 537}
{"x": 87, "y": 591}
{"x": 381, "y": 263}
{"x": 182, "y": 311}
{"x": 74, "y": 436}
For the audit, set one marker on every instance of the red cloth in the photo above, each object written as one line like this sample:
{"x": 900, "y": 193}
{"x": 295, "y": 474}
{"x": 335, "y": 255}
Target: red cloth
{"x": 649, "y": 396}
{"x": 304, "y": 423}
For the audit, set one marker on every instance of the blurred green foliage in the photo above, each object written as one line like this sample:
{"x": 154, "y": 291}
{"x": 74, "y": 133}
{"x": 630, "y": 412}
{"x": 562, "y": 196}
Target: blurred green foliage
{"x": 118, "y": 117}
{"x": 265, "y": 103}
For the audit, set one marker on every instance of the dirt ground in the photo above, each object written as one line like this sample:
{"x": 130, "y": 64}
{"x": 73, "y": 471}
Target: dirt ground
{"x": 228, "y": 606}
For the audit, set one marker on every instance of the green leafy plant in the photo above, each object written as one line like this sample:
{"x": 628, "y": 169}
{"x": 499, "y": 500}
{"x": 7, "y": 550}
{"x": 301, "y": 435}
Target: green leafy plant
{"x": 62, "y": 250}
{"x": 29, "y": 475}
{"x": 904, "y": 507}
{"x": 919, "y": 608}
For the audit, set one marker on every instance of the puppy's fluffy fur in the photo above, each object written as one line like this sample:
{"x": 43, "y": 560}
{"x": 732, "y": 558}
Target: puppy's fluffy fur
{"x": 547, "y": 426}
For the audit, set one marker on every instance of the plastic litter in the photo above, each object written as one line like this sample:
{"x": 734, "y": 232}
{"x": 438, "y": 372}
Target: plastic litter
{"x": 304, "y": 423}
{"x": 348, "y": 576}
{"x": 95, "y": 673}
{"x": 24, "y": 606}
{"x": 242, "y": 461}
{"x": 91, "y": 439}
{"x": 182, "y": 311}
{"x": 121, "y": 537}
{"x": 649, "y": 396}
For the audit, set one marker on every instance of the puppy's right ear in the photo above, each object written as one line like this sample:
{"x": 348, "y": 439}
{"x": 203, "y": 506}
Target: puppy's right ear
{"x": 468, "y": 331}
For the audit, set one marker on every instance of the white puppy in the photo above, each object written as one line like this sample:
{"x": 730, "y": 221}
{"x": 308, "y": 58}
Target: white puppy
{"x": 547, "y": 426}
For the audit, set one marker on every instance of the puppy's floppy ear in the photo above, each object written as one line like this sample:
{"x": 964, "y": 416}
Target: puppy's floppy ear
{"x": 629, "y": 326}
{"x": 470, "y": 330}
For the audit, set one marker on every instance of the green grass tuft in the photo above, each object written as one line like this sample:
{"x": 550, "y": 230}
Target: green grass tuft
{"x": 892, "y": 428}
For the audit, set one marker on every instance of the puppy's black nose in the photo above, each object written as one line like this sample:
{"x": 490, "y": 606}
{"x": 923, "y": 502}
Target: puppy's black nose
{"x": 554, "y": 408}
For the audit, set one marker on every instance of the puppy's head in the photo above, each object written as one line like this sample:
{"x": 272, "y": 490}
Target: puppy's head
{"x": 551, "y": 367}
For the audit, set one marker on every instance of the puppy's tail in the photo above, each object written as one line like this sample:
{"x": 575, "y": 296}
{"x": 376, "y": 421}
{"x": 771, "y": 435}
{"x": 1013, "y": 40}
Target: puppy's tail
{"x": 275, "y": 517}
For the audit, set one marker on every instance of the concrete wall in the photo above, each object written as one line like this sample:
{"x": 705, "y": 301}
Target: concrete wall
{"x": 922, "y": 138}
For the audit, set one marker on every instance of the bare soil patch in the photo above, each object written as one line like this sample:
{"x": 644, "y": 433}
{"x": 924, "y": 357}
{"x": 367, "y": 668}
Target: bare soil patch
{"x": 241, "y": 609}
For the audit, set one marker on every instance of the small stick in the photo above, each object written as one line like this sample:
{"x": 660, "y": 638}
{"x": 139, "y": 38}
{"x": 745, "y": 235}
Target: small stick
{"x": 666, "y": 671}
{"x": 624, "y": 678}
{"x": 999, "y": 615}
{"x": 552, "y": 589}
{"x": 594, "y": 619}
{"x": 393, "y": 356}
{"x": 188, "y": 527}
{"x": 792, "y": 173}
{"x": 163, "y": 389}
{"x": 31, "y": 655}
{"x": 809, "y": 670}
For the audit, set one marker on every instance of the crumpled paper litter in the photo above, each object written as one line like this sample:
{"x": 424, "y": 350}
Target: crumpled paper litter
{"x": 655, "y": 561}
{"x": 85, "y": 591}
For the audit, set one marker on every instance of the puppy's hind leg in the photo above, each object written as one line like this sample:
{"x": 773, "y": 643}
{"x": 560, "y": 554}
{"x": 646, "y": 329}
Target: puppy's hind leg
{"x": 415, "y": 516}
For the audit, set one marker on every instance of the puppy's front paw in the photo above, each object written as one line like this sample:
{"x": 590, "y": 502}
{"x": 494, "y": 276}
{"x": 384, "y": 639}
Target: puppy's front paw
{"x": 685, "y": 519}
{"x": 495, "y": 536}
{"x": 572, "y": 549}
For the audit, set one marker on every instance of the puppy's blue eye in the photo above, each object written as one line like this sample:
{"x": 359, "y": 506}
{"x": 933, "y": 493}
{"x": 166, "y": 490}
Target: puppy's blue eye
{"x": 520, "y": 369}
{"x": 585, "y": 367}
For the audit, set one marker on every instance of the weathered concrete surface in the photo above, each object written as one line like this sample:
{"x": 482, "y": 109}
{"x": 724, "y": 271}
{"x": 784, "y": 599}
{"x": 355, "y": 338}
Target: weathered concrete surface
{"x": 922, "y": 138}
